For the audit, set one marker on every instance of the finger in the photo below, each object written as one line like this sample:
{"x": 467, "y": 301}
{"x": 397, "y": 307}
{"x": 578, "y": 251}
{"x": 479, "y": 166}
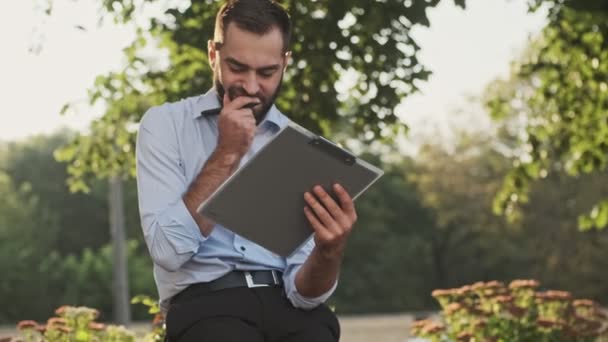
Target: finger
{"x": 251, "y": 105}
{"x": 225, "y": 100}
{"x": 245, "y": 113}
{"x": 245, "y": 119}
{"x": 241, "y": 119}
{"x": 241, "y": 101}
{"x": 326, "y": 219}
{"x": 330, "y": 204}
{"x": 317, "y": 226}
{"x": 240, "y": 115}
{"x": 346, "y": 202}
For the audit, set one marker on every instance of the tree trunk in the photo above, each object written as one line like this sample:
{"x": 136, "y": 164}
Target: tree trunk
{"x": 120, "y": 283}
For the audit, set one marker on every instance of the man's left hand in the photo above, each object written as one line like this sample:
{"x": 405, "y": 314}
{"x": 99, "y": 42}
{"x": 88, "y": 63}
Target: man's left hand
{"x": 332, "y": 222}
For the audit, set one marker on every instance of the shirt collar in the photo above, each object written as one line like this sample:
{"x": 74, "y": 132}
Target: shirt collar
{"x": 208, "y": 105}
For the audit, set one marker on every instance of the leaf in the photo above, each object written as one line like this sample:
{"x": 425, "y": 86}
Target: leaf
{"x": 602, "y": 218}
{"x": 555, "y": 90}
{"x": 596, "y": 218}
{"x": 377, "y": 42}
{"x": 461, "y": 3}
{"x": 64, "y": 109}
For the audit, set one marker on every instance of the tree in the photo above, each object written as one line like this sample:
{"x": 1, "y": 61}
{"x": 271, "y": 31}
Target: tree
{"x": 467, "y": 242}
{"x": 80, "y": 220}
{"x": 390, "y": 241}
{"x": 352, "y": 64}
{"x": 560, "y": 94}
{"x": 557, "y": 253}
{"x": 48, "y": 230}
{"x": 428, "y": 224}
{"x": 363, "y": 47}
{"x": 21, "y": 246}
{"x": 30, "y": 165}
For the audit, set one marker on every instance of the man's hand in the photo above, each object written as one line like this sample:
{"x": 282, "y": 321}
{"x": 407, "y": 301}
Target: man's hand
{"x": 332, "y": 222}
{"x": 236, "y": 126}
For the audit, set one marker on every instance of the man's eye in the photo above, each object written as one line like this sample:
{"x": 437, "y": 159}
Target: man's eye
{"x": 236, "y": 69}
{"x": 266, "y": 74}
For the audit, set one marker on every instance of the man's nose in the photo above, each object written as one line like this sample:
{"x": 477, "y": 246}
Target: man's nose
{"x": 250, "y": 84}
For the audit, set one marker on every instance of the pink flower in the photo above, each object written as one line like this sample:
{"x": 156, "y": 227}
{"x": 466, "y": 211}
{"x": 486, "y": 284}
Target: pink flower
{"x": 27, "y": 324}
{"x": 97, "y": 326}
{"x": 56, "y": 321}
{"x": 524, "y": 284}
{"x": 61, "y": 310}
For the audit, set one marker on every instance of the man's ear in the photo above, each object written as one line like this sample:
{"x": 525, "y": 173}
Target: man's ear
{"x": 286, "y": 59}
{"x": 211, "y": 53}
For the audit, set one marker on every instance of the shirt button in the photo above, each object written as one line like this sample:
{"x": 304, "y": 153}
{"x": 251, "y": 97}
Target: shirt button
{"x": 243, "y": 248}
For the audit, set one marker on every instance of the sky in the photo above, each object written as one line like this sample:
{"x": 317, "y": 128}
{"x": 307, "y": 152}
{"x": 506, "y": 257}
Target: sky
{"x": 465, "y": 49}
{"x": 35, "y": 86}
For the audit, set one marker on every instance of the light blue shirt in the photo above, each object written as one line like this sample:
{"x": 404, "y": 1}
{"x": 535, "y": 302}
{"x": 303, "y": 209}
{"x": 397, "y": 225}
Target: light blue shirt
{"x": 173, "y": 143}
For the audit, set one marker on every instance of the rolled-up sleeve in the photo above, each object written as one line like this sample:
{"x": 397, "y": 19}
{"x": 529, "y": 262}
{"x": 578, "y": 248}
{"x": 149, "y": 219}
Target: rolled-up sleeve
{"x": 294, "y": 263}
{"x": 171, "y": 234}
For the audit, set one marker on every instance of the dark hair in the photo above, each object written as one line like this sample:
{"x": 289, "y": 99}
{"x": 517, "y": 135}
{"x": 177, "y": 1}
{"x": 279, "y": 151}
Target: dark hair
{"x": 257, "y": 16}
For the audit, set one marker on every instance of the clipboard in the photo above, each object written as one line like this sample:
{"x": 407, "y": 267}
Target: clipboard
{"x": 263, "y": 200}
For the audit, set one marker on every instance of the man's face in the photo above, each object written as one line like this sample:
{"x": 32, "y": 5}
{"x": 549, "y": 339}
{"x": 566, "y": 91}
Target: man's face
{"x": 248, "y": 64}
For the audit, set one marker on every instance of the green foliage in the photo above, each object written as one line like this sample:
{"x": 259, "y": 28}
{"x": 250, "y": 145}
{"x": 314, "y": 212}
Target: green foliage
{"x": 51, "y": 279}
{"x": 55, "y": 239}
{"x": 388, "y": 239}
{"x": 152, "y": 304}
{"x": 425, "y": 225}
{"x": 555, "y": 252}
{"x": 598, "y": 217}
{"x": 352, "y": 64}
{"x": 560, "y": 94}
{"x": 158, "y": 324}
{"x": 75, "y": 324}
{"x": 494, "y": 312}
{"x": 456, "y": 184}
{"x": 86, "y": 279}
{"x": 60, "y": 211}
{"x": 32, "y": 168}
{"x": 20, "y": 250}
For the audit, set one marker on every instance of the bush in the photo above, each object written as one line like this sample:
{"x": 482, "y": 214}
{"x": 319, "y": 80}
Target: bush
{"x": 74, "y": 324}
{"x": 78, "y": 280}
{"x": 494, "y": 312}
{"x": 158, "y": 323}
{"x": 78, "y": 324}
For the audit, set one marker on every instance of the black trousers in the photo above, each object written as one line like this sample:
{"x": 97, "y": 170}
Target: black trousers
{"x": 261, "y": 314}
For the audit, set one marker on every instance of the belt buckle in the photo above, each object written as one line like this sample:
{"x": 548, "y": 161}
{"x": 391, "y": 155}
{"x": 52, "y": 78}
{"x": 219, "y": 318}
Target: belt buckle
{"x": 249, "y": 280}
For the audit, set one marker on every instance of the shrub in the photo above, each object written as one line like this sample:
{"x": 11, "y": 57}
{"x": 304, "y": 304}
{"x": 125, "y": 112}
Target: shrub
{"x": 74, "y": 324}
{"x": 84, "y": 279}
{"x": 158, "y": 323}
{"x": 491, "y": 311}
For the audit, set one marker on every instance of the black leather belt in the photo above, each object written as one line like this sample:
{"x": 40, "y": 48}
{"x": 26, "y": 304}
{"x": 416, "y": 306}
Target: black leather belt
{"x": 230, "y": 280}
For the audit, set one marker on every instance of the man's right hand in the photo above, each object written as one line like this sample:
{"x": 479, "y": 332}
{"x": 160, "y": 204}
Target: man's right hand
{"x": 236, "y": 125}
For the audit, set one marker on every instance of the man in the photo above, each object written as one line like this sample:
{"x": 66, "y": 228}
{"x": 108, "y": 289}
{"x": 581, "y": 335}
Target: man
{"x": 213, "y": 284}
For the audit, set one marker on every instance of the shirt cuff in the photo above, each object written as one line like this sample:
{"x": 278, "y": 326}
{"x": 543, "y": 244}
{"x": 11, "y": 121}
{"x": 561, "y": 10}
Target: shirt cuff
{"x": 181, "y": 230}
{"x": 303, "y": 302}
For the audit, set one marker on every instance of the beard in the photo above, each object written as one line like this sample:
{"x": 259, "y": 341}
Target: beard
{"x": 236, "y": 91}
